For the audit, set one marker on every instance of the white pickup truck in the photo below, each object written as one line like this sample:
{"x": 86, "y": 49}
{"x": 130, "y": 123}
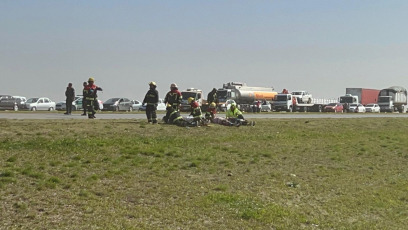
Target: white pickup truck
{"x": 302, "y": 97}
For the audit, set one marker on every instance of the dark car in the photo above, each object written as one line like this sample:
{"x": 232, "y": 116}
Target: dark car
{"x": 8, "y": 102}
{"x": 118, "y": 104}
{"x": 334, "y": 107}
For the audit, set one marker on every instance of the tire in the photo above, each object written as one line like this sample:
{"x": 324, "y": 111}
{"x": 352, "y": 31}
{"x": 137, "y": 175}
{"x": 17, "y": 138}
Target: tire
{"x": 33, "y": 109}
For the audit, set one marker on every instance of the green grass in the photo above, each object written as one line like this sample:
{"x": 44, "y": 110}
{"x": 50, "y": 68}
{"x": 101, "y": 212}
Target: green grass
{"x": 280, "y": 174}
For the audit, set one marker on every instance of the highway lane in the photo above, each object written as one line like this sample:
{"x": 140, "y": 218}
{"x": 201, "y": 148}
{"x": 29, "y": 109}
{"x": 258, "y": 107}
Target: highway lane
{"x": 110, "y": 115}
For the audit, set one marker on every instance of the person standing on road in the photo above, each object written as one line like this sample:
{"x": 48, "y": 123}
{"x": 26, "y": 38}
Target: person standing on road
{"x": 151, "y": 100}
{"x": 173, "y": 97}
{"x": 212, "y": 97}
{"x": 90, "y": 96}
{"x": 70, "y": 97}
{"x": 84, "y": 98}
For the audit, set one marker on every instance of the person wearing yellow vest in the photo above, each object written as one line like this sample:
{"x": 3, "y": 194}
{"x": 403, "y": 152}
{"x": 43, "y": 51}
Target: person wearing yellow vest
{"x": 235, "y": 116}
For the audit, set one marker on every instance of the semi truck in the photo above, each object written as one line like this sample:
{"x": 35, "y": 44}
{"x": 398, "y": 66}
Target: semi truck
{"x": 244, "y": 95}
{"x": 289, "y": 103}
{"x": 393, "y": 99}
{"x": 359, "y": 96}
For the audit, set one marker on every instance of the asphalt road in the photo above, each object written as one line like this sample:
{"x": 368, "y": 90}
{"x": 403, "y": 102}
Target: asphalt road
{"x": 111, "y": 115}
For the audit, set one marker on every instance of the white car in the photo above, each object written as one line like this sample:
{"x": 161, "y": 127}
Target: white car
{"x": 357, "y": 108}
{"x": 39, "y": 103}
{"x": 160, "y": 106}
{"x": 372, "y": 108}
{"x": 136, "y": 105}
{"x": 302, "y": 96}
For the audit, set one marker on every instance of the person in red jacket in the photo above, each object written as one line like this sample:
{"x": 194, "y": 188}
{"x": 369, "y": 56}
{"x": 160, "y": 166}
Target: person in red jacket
{"x": 173, "y": 97}
{"x": 91, "y": 97}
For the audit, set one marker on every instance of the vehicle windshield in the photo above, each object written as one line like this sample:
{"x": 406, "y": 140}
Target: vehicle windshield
{"x": 370, "y": 105}
{"x": 353, "y": 105}
{"x": 222, "y": 94}
{"x": 384, "y": 99}
{"x": 186, "y": 95}
{"x": 281, "y": 98}
{"x": 296, "y": 93}
{"x": 346, "y": 99}
{"x": 32, "y": 100}
{"x": 112, "y": 100}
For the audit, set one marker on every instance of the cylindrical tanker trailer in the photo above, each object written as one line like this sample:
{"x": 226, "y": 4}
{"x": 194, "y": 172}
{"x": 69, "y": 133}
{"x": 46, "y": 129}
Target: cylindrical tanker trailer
{"x": 244, "y": 95}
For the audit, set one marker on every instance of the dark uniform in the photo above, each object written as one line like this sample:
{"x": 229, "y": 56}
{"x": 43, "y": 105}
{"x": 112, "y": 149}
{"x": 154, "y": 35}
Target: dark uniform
{"x": 70, "y": 94}
{"x": 173, "y": 117}
{"x": 151, "y": 100}
{"x": 212, "y": 97}
{"x": 84, "y": 99}
{"x": 91, "y": 97}
{"x": 173, "y": 97}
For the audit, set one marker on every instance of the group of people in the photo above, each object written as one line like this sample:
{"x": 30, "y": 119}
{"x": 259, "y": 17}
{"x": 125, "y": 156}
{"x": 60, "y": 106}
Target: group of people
{"x": 89, "y": 98}
{"x": 173, "y": 100}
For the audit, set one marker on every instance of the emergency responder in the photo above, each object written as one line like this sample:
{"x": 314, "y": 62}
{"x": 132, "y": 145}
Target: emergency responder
{"x": 84, "y": 98}
{"x": 212, "y": 97}
{"x": 195, "y": 110}
{"x": 173, "y": 97}
{"x": 173, "y": 117}
{"x": 211, "y": 111}
{"x": 151, "y": 100}
{"x": 70, "y": 97}
{"x": 91, "y": 97}
{"x": 235, "y": 116}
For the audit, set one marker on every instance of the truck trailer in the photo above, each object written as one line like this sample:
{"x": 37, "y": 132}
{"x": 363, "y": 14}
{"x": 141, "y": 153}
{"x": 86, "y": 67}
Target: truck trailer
{"x": 289, "y": 103}
{"x": 244, "y": 95}
{"x": 393, "y": 99}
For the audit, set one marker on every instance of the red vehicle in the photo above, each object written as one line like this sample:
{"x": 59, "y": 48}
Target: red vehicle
{"x": 334, "y": 107}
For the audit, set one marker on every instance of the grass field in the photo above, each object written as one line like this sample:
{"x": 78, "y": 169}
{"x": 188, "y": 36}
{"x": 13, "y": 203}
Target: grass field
{"x": 280, "y": 174}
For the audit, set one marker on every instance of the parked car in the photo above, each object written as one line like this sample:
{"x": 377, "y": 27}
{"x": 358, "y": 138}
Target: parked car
{"x": 40, "y": 103}
{"x": 160, "y": 106}
{"x": 118, "y": 104}
{"x": 356, "y": 108}
{"x": 136, "y": 105}
{"x": 334, "y": 107}
{"x": 76, "y": 104}
{"x": 10, "y": 103}
{"x": 372, "y": 108}
{"x": 22, "y": 100}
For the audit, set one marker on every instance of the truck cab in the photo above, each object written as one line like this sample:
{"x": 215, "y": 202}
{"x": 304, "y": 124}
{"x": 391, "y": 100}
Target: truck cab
{"x": 302, "y": 97}
{"x": 197, "y": 94}
{"x": 283, "y": 102}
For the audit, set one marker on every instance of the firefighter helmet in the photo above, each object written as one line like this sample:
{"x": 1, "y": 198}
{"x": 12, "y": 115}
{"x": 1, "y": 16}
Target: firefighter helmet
{"x": 212, "y": 105}
{"x": 173, "y": 85}
{"x": 190, "y": 99}
{"x": 152, "y": 83}
{"x": 91, "y": 79}
{"x": 234, "y": 104}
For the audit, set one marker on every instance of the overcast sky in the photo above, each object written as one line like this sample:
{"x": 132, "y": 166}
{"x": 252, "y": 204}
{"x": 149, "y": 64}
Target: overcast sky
{"x": 316, "y": 45}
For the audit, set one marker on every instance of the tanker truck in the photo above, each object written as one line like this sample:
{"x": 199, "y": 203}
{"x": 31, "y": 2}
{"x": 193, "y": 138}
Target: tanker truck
{"x": 393, "y": 99}
{"x": 243, "y": 95}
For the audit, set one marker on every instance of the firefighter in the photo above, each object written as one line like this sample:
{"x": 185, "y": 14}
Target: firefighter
{"x": 173, "y": 117}
{"x": 235, "y": 116}
{"x": 173, "y": 97}
{"x": 84, "y": 98}
{"x": 91, "y": 97}
{"x": 151, "y": 100}
{"x": 195, "y": 110}
{"x": 70, "y": 94}
{"x": 211, "y": 111}
{"x": 212, "y": 97}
